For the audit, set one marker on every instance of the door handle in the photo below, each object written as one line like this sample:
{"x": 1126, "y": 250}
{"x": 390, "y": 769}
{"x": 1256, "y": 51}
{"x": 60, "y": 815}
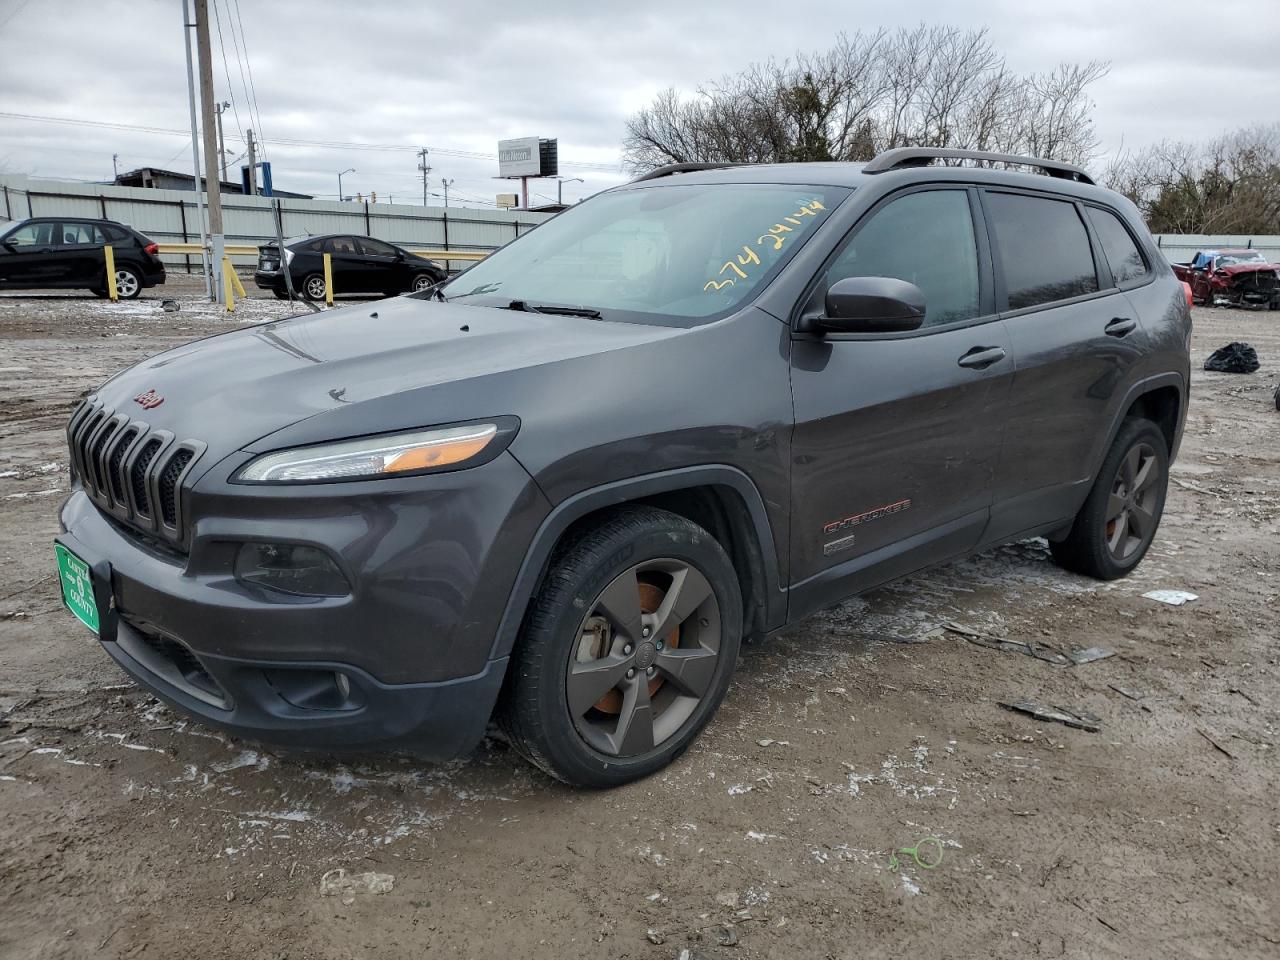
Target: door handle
{"x": 1120, "y": 327}
{"x": 981, "y": 357}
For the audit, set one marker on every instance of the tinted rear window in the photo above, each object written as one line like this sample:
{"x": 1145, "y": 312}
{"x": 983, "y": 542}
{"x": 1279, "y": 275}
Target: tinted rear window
{"x": 1123, "y": 256}
{"x": 1043, "y": 248}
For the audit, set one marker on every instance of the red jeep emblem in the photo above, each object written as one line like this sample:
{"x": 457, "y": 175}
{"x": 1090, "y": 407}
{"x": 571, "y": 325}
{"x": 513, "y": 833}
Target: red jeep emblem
{"x": 149, "y": 400}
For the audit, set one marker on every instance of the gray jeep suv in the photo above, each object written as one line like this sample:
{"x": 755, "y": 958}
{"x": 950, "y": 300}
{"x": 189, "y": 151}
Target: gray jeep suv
{"x": 559, "y": 490}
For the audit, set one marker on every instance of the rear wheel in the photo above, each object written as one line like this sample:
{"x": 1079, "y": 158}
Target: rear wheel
{"x": 281, "y": 294}
{"x": 1118, "y": 521}
{"x": 313, "y": 286}
{"x": 626, "y": 652}
{"x": 128, "y": 283}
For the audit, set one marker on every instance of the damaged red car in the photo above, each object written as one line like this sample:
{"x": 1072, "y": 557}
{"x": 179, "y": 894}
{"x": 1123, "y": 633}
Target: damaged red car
{"x": 1240, "y": 277}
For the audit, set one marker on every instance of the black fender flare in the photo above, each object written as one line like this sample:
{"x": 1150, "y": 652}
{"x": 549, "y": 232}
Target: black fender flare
{"x": 1136, "y": 390}
{"x": 619, "y": 492}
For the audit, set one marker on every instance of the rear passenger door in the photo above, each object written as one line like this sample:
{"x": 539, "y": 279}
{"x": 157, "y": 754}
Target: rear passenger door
{"x": 1076, "y": 343}
{"x": 897, "y": 435}
{"x": 82, "y": 245}
{"x": 349, "y": 272}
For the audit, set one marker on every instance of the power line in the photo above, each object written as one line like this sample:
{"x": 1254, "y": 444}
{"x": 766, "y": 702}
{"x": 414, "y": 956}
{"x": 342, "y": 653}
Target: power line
{"x": 298, "y": 142}
{"x": 226, "y": 70}
{"x": 253, "y": 90}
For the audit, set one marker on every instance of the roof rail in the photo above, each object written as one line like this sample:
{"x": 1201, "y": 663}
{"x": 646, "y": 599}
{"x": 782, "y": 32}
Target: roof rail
{"x": 670, "y": 168}
{"x": 923, "y": 156}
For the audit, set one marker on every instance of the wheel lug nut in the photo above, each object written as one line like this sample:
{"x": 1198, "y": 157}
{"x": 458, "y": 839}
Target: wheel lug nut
{"x": 627, "y": 650}
{"x": 644, "y": 632}
{"x": 660, "y": 644}
{"x": 650, "y": 672}
{"x": 631, "y": 673}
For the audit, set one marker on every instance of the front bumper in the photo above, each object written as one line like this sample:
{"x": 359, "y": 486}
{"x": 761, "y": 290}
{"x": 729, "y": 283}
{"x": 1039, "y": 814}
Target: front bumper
{"x": 402, "y": 662}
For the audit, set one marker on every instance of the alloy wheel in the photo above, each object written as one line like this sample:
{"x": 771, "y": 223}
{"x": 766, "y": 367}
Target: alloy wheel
{"x": 126, "y": 284}
{"x": 646, "y": 656}
{"x": 421, "y": 283}
{"x": 315, "y": 288}
{"x": 1130, "y": 515}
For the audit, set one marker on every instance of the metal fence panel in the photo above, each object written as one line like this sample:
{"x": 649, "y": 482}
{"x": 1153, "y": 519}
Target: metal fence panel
{"x": 1181, "y": 247}
{"x": 170, "y": 216}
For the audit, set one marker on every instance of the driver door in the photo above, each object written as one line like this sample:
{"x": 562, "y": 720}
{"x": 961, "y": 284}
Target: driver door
{"x": 898, "y": 435}
{"x": 29, "y": 255}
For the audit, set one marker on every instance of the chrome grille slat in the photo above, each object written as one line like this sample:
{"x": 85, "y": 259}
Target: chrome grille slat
{"x": 131, "y": 471}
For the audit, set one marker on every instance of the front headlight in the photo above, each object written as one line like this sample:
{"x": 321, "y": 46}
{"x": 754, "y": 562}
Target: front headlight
{"x": 384, "y": 456}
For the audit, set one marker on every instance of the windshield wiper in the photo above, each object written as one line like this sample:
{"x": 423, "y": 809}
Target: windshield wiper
{"x": 526, "y": 307}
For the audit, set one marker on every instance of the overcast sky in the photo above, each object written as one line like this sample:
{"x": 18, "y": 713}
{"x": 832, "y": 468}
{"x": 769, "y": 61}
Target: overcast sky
{"x": 456, "y": 77}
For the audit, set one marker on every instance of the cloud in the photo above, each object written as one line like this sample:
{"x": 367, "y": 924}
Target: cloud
{"x": 459, "y": 77}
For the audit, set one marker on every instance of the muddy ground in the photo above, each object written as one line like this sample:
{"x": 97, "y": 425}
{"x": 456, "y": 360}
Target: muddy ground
{"x": 126, "y": 831}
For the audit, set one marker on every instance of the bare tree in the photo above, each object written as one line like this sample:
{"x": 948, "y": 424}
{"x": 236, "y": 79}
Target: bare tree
{"x": 926, "y": 86}
{"x": 1227, "y": 185}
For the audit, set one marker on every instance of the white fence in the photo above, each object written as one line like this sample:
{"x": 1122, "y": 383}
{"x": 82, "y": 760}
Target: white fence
{"x": 1181, "y": 247}
{"x": 169, "y": 216}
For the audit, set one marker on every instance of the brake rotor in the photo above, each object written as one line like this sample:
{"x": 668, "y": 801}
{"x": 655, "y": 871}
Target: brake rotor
{"x": 651, "y": 597}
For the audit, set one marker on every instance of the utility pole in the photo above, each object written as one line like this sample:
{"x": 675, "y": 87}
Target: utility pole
{"x": 447, "y": 184}
{"x": 195, "y": 149}
{"x": 422, "y": 165}
{"x": 222, "y": 140}
{"x": 213, "y": 185}
{"x": 253, "y": 165}
{"x": 115, "y": 165}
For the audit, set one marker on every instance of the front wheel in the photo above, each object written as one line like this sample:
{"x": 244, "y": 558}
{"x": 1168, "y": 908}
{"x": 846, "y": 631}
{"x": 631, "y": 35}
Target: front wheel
{"x": 1118, "y": 521}
{"x": 422, "y": 281}
{"x": 627, "y": 650}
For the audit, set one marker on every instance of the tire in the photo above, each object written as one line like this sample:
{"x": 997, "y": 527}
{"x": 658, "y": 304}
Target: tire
{"x": 1114, "y": 529}
{"x": 421, "y": 281}
{"x": 128, "y": 283}
{"x": 313, "y": 286}
{"x": 281, "y": 294}
{"x": 561, "y": 713}
{"x": 100, "y": 294}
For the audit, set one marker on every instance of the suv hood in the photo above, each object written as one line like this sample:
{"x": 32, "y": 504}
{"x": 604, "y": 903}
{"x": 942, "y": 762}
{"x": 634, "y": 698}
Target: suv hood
{"x": 395, "y": 364}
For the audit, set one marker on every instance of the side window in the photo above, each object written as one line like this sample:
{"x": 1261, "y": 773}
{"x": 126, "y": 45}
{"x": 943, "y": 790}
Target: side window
{"x": 1043, "y": 247}
{"x": 375, "y": 248}
{"x": 1123, "y": 255}
{"x": 114, "y": 234}
{"x": 925, "y": 238}
{"x": 81, "y": 233}
{"x": 31, "y": 235}
{"x": 341, "y": 245}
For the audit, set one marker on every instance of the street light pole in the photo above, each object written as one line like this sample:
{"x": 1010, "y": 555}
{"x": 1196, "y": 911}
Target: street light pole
{"x": 560, "y": 182}
{"x": 340, "y": 176}
{"x": 447, "y": 184}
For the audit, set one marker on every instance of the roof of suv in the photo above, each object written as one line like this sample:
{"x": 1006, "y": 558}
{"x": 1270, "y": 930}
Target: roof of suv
{"x": 906, "y": 164}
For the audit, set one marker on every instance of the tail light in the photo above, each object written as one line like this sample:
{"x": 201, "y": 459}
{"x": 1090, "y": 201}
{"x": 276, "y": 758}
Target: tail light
{"x": 152, "y": 248}
{"x": 1186, "y": 290}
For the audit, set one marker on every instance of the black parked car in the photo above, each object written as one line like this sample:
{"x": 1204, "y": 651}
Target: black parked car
{"x": 560, "y": 489}
{"x": 359, "y": 265}
{"x": 53, "y": 252}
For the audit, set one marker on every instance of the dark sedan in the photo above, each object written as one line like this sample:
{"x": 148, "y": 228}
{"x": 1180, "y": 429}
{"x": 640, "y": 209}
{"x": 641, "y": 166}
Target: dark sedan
{"x": 359, "y": 265}
{"x": 54, "y": 252}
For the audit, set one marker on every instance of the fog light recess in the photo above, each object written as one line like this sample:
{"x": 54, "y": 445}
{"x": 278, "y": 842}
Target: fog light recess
{"x": 294, "y": 569}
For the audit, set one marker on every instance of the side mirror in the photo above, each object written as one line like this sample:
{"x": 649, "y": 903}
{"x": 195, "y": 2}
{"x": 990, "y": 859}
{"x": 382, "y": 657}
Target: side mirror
{"x": 872, "y": 305}
{"x": 10, "y": 246}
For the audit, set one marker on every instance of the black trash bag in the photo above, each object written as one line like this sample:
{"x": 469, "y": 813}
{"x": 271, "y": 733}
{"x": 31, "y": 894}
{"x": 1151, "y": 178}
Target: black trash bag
{"x": 1233, "y": 358}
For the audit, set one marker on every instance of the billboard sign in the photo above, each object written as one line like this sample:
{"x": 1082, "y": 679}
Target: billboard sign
{"x": 519, "y": 158}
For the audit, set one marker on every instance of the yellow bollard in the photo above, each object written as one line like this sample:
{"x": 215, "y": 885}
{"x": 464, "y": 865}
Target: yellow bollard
{"x": 230, "y": 281}
{"x": 110, "y": 256}
{"x": 328, "y": 279}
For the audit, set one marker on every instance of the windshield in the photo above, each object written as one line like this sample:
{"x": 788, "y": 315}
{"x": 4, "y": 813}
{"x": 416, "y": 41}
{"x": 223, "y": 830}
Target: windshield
{"x": 669, "y": 254}
{"x": 1244, "y": 256}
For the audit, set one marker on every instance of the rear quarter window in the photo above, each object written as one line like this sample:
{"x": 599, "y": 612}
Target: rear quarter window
{"x": 1043, "y": 249}
{"x": 1118, "y": 246}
